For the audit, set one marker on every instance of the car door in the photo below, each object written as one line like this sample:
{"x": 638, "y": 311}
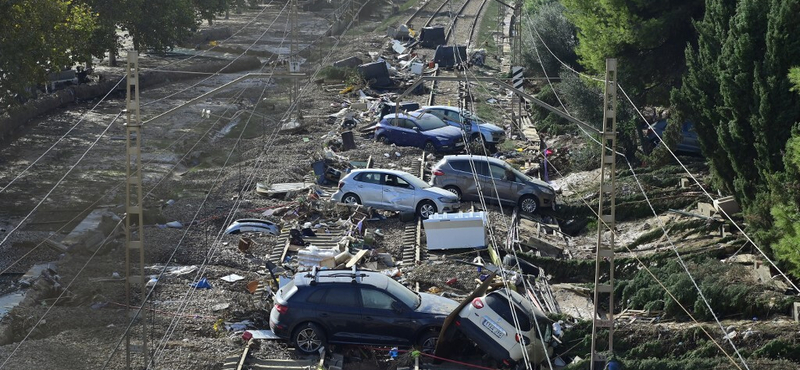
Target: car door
{"x": 369, "y": 187}
{"x": 340, "y": 312}
{"x": 466, "y": 181}
{"x": 398, "y": 194}
{"x": 396, "y": 132}
{"x": 413, "y": 135}
{"x": 501, "y": 180}
{"x": 385, "y": 320}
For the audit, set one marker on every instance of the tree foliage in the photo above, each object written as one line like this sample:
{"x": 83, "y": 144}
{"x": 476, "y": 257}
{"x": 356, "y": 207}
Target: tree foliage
{"x": 738, "y": 92}
{"x": 548, "y": 21}
{"x": 38, "y": 37}
{"x": 647, "y": 36}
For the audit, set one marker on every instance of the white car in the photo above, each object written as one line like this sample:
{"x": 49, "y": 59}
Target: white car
{"x": 395, "y": 191}
{"x": 488, "y": 321}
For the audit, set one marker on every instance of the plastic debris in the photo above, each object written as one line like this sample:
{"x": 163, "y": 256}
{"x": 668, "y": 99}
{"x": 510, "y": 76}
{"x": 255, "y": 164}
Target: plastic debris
{"x": 202, "y": 284}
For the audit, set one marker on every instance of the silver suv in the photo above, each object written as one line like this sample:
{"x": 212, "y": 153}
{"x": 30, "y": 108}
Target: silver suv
{"x": 455, "y": 173}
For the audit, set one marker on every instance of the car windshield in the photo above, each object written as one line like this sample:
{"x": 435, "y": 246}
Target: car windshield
{"x": 428, "y": 122}
{"x": 404, "y": 294}
{"x": 416, "y": 182}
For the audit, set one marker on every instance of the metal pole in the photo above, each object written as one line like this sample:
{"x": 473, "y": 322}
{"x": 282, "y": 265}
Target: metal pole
{"x": 134, "y": 208}
{"x": 607, "y": 214}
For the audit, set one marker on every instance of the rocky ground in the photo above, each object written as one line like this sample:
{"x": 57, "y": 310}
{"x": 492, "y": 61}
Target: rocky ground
{"x": 202, "y": 172}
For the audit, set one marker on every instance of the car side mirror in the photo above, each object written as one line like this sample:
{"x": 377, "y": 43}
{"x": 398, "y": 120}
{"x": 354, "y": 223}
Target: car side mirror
{"x": 416, "y": 128}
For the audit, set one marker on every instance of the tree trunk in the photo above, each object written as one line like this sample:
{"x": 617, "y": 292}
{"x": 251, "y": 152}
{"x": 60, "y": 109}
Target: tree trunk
{"x": 112, "y": 58}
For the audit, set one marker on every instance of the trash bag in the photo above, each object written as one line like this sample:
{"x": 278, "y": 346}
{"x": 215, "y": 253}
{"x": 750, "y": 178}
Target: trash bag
{"x": 296, "y": 238}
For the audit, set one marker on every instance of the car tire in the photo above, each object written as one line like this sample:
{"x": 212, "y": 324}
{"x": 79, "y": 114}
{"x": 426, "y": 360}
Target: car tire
{"x": 454, "y": 189}
{"x": 308, "y": 338}
{"x": 529, "y": 204}
{"x": 427, "y": 342}
{"x": 382, "y": 139}
{"x": 351, "y": 198}
{"x": 425, "y": 209}
{"x": 429, "y": 147}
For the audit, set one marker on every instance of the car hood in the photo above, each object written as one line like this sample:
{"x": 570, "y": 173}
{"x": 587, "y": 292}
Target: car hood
{"x": 447, "y": 131}
{"x": 435, "y": 304}
{"x": 439, "y": 192}
{"x": 490, "y": 127}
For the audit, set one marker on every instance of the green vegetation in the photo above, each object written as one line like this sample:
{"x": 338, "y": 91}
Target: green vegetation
{"x": 730, "y": 287}
{"x": 490, "y": 24}
{"x": 37, "y": 38}
{"x": 730, "y": 67}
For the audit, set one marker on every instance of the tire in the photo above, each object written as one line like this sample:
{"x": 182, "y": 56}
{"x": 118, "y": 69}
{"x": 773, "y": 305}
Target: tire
{"x": 427, "y": 342}
{"x": 351, "y": 198}
{"x": 382, "y": 139}
{"x": 308, "y": 338}
{"x": 454, "y": 189}
{"x": 429, "y": 147}
{"x": 529, "y": 204}
{"x": 425, "y": 209}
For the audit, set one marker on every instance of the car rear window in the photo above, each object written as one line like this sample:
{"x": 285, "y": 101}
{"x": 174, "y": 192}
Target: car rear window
{"x": 499, "y": 303}
{"x": 316, "y": 296}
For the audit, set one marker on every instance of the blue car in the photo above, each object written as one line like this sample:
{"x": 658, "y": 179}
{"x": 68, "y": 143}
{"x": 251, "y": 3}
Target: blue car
{"x": 474, "y": 126}
{"x": 419, "y": 130}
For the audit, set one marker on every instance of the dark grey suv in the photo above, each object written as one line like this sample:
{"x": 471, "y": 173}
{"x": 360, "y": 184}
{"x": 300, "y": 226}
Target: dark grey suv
{"x": 455, "y": 173}
{"x": 356, "y": 307}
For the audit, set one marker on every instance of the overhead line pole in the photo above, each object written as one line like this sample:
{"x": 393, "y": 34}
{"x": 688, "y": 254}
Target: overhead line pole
{"x": 134, "y": 209}
{"x": 607, "y": 214}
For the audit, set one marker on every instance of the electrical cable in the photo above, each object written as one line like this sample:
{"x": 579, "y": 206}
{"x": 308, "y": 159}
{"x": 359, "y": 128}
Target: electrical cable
{"x": 663, "y": 228}
{"x": 697, "y": 182}
{"x": 83, "y": 116}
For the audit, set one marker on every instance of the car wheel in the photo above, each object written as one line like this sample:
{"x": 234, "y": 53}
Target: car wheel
{"x": 351, "y": 198}
{"x": 529, "y": 204}
{"x": 308, "y": 339}
{"x": 429, "y": 147}
{"x": 382, "y": 139}
{"x": 425, "y": 209}
{"x": 427, "y": 342}
{"x": 454, "y": 189}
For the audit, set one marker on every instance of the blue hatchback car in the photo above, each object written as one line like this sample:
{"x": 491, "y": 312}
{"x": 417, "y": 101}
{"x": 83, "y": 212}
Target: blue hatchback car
{"x": 420, "y": 130}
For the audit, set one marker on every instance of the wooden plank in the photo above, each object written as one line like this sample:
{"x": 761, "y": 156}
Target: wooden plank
{"x": 353, "y": 261}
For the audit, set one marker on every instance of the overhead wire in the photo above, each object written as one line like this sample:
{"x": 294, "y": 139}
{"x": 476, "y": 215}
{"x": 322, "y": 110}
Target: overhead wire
{"x": 110, "y": 91}
{"x": 257, "y": 162}
{"x": 637, "y": 258}
{"x": 663, "y": 228}
{"x": 674, "y": 156}
{"x": 6, "y": 268}
{"x": 208, "y": 195}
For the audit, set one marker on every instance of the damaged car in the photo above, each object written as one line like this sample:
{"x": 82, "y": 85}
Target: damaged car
{"x": 476, "y": 128}
{"x": 506, "y": 326}
{"x": 318, "y": 308}
{"x": 498, "y": 181}
{"x": 424, "y": 131}
{"x": 395, "y": 191}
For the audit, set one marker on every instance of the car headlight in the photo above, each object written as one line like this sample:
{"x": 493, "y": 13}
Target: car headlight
{"x": 548, "y": 191}
{"x": 448, "y": 200}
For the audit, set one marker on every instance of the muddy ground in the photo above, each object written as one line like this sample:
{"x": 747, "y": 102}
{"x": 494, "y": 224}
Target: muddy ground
{"x": 202, "y": 171}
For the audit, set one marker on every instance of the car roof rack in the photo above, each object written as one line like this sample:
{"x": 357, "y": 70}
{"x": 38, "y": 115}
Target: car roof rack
{"x": 353, "y": 274}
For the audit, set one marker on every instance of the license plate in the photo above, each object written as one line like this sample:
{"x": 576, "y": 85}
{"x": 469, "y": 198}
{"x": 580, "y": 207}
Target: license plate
{"x": 494, "y": 328}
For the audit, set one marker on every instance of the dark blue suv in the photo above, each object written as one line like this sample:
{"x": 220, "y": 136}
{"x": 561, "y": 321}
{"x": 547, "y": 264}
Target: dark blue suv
{"x": 421, "y": 130}
{"x": 356, "y": 307}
